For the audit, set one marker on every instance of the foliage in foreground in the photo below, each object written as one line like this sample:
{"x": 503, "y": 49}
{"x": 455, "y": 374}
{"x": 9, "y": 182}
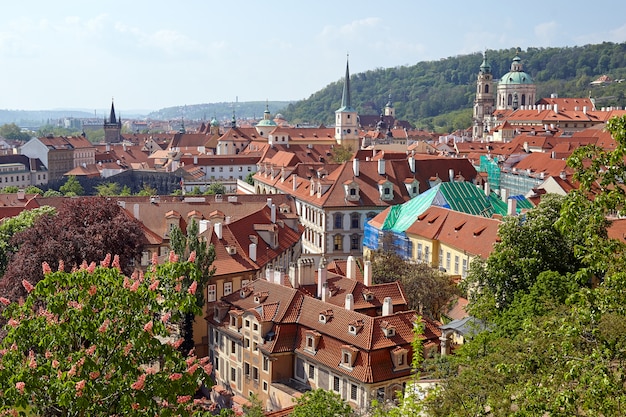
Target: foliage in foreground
{"x": 94, "y": 342}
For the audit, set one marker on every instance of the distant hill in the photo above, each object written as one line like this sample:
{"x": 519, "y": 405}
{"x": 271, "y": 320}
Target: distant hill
{"x": 221, "y": 111}
{"x": 440, "y": 92}
{"x": 30, "y": 118}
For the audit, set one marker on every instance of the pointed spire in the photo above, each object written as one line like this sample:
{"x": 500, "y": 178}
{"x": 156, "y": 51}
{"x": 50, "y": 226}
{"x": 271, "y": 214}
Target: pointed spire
{"x": 112, "y": 118}
{"x": 345, "y": 98}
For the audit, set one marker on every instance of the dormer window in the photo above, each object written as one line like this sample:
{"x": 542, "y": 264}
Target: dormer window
{"x": 348, "y": 356}
{"x": 312, "y": 339}
{"x": 325, "y": 316}
{"x": 412, "y": 186}
{"x": 260, "y": 297}
{"x": 385, "y": 188}
{"x": 235, "y": 319}
{"x": 355, "y": 326}
{"x": 388, "y": 329}
{"x": 245, "y": 292}
{"x": 368, "y": 295}
{"x": 399, "y": 358}
{"x": 351, "y": 190}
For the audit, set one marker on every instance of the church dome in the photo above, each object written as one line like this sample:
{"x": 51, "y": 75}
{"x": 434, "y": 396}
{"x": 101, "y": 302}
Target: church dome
{"x": 266, "y": 122}
{"x": 215, "y": 123}
{"x": 516, "y": 75}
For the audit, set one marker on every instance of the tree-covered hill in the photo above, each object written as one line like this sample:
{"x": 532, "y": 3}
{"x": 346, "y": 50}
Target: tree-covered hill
{"x": 221, "y": 111}
{"x": 426, "y": 90}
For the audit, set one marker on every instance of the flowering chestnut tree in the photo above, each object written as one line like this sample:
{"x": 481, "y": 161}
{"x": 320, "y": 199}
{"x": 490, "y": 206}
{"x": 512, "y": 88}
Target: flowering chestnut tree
{"x": 93, "y": 342}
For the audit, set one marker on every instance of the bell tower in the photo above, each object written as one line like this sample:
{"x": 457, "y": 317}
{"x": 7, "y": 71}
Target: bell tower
{"x": 485, "y": 101}
{"x": 346, "y": 124}
{"x": 112, "y": 127}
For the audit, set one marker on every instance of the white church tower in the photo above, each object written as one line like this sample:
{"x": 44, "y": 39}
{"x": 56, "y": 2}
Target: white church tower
{"x": 346, "y": 123}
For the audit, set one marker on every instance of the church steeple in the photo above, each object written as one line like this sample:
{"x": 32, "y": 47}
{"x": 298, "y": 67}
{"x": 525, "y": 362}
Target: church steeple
{"x": 346, "y": 123}
{"x": 112, "y": 118}
{"x": 346, "y": 102}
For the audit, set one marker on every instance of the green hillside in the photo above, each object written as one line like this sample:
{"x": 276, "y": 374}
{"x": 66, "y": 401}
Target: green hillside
{"x": 221, "y": 111}
{"x": 441, "y": 93}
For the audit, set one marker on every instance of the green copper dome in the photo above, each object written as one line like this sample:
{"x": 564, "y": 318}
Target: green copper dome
{"x": 516, "y": 75}
{"x": 267, "y": 122}
{"x": 214, "y": 122}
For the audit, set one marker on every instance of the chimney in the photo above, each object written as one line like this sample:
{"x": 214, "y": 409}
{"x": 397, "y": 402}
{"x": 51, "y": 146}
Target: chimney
{"x": 349, "y": 305}
{"x": 387, "y": 307}
{"x": 295, "y": 181}
{"x": 451, "y": 174}
{"x": 252, "y": 251}
{"x": 203, "y": 225}
{"x": 273, "y": 213}
{"x": 269, "y": 202}
{"x": 21, "y": 194}
{"x": 321, "y": 277}
{"x": 324, "y": 291}
{"x": 367, "y": 273}
{"x": 351, "y": 268}
{"x": 136, "y": 211}
{"x": 584, "y": 109}
{"x": 487, "y": 189}
{"x": 269, "y": 274}
{"x": 412, "y": 164}
{"x": 504, "y": 194}
{"x": 278, "y": 277}
{"x": 195, "y": 159}
{"x": 381, "y": 167}
{"x": 217, "y": 228}
{"x": 355, "y": 167}
{"x": 108, "y": 147}
{"x": 556, "y": 108}
{"x": 295, "y": 283}
{"x": 511, "y": 207}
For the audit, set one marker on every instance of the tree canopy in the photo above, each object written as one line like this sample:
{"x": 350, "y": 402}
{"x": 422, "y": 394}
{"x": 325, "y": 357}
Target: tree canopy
{"x": 321, "y": 403}
{"x": 84, "y": 229}
{"x": 555, "y": 343}
{"x": 93, "y": 342}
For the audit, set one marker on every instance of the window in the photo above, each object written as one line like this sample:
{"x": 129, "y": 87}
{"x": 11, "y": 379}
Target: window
{"x": 233, "y": 374}
{"x": 255, "y": 346}
{"x": 233, "y": 347}
{"x": 354, "y": 389}
{"x": 255, "y": 327}
{"x": 228, "y": 288}
{"x": 387, "y": 191}
{"x": 266, "y": 363}
{"x": 255, "y": 373}
{"x": 346, "y": 358}
{"x": 338, "y": 242}
{"x": 440, "y": 258}
{"x": 246, "y": 369}
{"x": 336, "y": 384}
{"x": 246, "y": 343}
{"x": 221, "y": 169}
{"x": 247, "y": 323}
{"x": 338, "y": 221}
{"x": 212, "y": 169}
{"x": 464, "y": 271}
{"x": 355, "y": 221}
{"x": 311, "y": 371}
{"x": 448, "y": 256}
{"x": 419, "y": 251}
{"x": 427, "y": 254}
{"x": 230, "y": 169}
{"x": 353, "y": 192}
{"x": 309, "y": 342}
{"x": 355, "y": 242}
{"x": 211, "y": 292}
{"x": 265, "y": 386}
{"x": 456, "y": 264}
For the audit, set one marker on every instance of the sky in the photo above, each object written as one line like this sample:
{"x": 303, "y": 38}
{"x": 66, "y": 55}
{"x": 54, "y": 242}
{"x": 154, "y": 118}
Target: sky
{"x": 148, "y": 55}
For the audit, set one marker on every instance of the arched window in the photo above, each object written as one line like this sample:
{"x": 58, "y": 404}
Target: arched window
{"x": 523, "y": 99}
{"x": 486, "y": 88}
{"x": 355, "y": 242}
{"x": 338, "y": 221}
{"x": 509, "y": 101}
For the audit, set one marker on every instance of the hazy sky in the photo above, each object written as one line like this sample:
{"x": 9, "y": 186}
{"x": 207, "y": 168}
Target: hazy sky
{"x": 153, "y": 54}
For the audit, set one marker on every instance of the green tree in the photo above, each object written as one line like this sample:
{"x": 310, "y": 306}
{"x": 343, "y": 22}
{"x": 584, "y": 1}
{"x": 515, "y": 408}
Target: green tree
{"x": 108, "y": 189}
{"x": 10, "y": 189}
{"x": 12, "y": 225}
{"x": 528, "y": 246}
{"x": 13, "y": 132}
{"x": 250, "y": 178}
{"x": 215, "y": 188}
{"x": 31, "y": 189}
{"x": 147, "y": 190}
{"x": 183, "y": 245}
{"x": 254, "y": 408}
{"x": 72, "y": 187}
{"x": 52, "y": 193}
{"x": 321, "y": 403}
{"x": 126, "y": 191}
{"x": 96, "y": 343}
{"x": 341, "y": 154}
{"x": 427, "y": 289}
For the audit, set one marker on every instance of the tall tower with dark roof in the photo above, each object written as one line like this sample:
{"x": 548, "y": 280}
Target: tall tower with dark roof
{"x": 112, "y": 127}
{"x": 346, "y": 123}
